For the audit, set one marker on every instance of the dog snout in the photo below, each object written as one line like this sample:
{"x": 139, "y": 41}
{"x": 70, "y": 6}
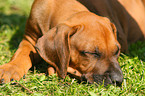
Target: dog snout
{"x": 116, "y": 78}
{"x": 116, "y": 75}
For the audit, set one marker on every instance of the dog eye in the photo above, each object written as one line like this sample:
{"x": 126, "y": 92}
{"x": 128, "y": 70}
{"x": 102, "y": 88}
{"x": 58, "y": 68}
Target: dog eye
{"x": 92, "y": 53}
{"x": 98, "y": 55}
{"x": 83, "y": 53}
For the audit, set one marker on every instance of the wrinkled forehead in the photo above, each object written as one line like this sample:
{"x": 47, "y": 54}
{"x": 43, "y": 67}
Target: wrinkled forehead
{"x": 93, "y": 36}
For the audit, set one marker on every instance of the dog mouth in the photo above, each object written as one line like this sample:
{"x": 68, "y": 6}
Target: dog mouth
{"x": 102, "y": 80}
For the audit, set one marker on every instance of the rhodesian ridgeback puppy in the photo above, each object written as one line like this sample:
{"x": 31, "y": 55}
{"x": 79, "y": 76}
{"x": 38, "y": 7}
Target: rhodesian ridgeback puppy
{"x": 71, "y": 40}
{"x": 127, "y": 15}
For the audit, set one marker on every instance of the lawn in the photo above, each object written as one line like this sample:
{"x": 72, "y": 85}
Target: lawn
{"x": 13, "y": 15}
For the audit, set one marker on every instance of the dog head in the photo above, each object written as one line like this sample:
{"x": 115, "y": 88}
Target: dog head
{"x": 88, "y": 46}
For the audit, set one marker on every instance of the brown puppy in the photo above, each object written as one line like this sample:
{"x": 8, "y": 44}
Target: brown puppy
{"x": 71, "y": 39}
{"x": 127, "y": 15}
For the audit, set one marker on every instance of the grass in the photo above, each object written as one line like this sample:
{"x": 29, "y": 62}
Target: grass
{"x": 13, "y": 15}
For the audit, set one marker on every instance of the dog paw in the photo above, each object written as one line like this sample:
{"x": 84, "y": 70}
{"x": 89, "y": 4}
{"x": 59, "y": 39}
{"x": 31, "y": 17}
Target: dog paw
{"x": 9, "y": 72}
{"x": 51, "y": 70}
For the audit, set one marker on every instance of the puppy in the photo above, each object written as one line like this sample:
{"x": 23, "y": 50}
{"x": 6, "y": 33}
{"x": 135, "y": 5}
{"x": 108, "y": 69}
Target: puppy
{"x": 71, "y": 40}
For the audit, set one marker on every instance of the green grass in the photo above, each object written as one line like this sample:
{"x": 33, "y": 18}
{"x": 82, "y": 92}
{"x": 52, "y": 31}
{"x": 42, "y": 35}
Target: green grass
{"x": 13, "y": 15}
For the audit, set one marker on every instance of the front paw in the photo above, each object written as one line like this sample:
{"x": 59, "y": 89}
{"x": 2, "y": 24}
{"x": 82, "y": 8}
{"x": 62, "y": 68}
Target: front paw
{"x": 10, "y": 72}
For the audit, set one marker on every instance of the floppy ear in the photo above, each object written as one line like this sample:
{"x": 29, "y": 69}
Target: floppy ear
{"x": 114, "y": 30}
{"x": 54, "y": 48}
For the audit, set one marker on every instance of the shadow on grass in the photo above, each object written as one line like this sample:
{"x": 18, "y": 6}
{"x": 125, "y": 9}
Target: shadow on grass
{"x": 14, "y": 21}
{"x": 137, "y": 50}
{"x": 18, "y": 22}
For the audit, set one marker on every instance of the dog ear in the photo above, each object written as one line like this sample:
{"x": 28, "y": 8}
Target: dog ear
{"x": 114, "y": 30}
{"x": 54, "y": 48}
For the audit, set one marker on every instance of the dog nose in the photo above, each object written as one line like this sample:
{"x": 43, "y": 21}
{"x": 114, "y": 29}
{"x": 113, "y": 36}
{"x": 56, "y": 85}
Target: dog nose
{"x": 115, "y": 73}
{"x": 116, "y": 76}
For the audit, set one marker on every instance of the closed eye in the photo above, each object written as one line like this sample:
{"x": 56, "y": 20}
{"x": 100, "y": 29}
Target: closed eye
{"x": 92, "y": 53}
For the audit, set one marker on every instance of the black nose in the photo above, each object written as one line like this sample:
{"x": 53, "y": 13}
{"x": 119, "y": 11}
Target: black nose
{"x": 115, "y": 74}
{"x": 116, "y": 77}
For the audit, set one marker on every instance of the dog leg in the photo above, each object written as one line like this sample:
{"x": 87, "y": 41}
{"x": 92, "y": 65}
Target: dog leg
{"x": 51, "y": 70}
{"x": 20, "y": 63}
{"x": 75, "y": 73}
